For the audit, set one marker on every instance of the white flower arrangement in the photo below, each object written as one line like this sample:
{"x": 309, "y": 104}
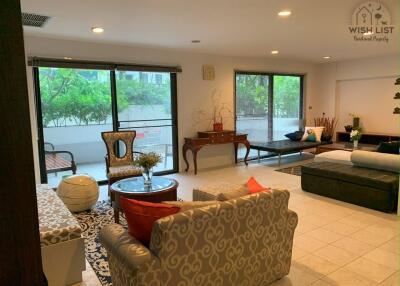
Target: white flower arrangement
{"x": 355, "y": 135}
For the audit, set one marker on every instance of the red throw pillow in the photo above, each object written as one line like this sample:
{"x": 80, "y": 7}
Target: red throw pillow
{"x": 140, "y": 217}
{"x": 255, "y": 187}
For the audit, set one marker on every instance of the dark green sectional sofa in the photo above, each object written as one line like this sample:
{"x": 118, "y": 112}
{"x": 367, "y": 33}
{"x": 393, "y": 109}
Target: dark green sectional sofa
{"x": 371, "y": 188}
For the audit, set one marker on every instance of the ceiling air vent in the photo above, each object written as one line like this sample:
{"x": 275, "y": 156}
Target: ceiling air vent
{"x": 34, "y": 20}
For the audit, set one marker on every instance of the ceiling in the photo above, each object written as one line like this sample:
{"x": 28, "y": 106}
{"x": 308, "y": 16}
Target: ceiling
{"x": 249, "y": 28}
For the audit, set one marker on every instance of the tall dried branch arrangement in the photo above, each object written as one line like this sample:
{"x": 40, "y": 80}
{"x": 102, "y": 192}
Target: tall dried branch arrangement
{"x": 329, "y": 124}
{"x": 220, "y": 111}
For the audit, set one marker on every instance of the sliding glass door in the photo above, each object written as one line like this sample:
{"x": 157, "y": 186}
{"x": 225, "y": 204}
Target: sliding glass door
{"x": 145, "y": 104}
{"x": 287, "y": 105}
{"x": 75, "y": 105}
{"x": 268, "y": 105}
{"x": 252, "y": 105}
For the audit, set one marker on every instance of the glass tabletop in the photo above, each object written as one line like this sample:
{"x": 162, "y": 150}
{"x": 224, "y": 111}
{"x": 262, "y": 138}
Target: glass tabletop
{"x": 136, "y": 185}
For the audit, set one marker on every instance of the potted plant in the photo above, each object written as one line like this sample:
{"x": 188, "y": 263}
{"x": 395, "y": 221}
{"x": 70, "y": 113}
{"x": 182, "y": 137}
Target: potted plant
{"x": 355, "y": 135}
{"x": 147, "y": 161}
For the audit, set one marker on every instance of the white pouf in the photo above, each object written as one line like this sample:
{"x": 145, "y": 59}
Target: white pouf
{"x": 78, "y": 192}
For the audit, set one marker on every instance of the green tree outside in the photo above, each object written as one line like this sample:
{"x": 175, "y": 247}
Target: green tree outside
{"x": 82, "y": 97}
{"x": 252, "y": 95}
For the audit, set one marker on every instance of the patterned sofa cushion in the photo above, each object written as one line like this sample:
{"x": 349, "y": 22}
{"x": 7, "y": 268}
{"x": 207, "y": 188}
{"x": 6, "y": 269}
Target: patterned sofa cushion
{"x": 56, "y": 223}
{"x": 185, "y": 206}
{"x": 220, "y": 192}
{"x": 123, "y": 171}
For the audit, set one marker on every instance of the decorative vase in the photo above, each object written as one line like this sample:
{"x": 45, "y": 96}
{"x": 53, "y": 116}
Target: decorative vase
{"x": 356, "y": 122}
{"x": 218, "y": 126}
{"x": 147, "y": 175}
{"x": 355, "y": 144}
{"x": 348, "y": 128}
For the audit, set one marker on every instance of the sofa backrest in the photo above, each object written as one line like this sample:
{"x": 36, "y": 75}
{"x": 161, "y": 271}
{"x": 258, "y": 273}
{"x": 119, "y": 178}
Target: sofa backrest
{"x": 214, "y": 245}
{"x": 376, "y": 160}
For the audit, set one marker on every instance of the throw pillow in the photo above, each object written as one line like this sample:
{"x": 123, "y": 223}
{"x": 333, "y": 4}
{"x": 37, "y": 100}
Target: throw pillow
{"x": 140, "y": 217}
{"x": 295, "y": 136}
{"x": 311, "y": 137}
{"x": 318, "y": 133}
{"x": 255, "y": 187}
{"x": 240, "y": 191}
{"x": 389, "y": 147}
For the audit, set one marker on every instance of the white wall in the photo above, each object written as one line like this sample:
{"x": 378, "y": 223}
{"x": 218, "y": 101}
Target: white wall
{"x": 364, "y": 87}
{"x": 193, "y": 92}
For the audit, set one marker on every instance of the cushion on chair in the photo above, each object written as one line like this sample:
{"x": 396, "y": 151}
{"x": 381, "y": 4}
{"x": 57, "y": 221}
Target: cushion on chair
{"x": 220, "y": 192}
{"x": 140, "y": 217}
{"x": 123, "y": 171}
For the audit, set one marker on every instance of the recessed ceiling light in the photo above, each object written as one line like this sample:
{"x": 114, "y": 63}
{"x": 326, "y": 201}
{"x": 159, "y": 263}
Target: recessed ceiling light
{"x": 327, "y": 57}
{"x": 67, "y": 58}
{"x": 285, "y": 13}
{"x": 196, "y": 41}
{"x": 369, "y": 33}
{"x": 97, "y": 30}
{"x": 274, "y": 52}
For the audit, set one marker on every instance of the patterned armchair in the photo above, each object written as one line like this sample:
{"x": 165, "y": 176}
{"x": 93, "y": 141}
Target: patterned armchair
{"x": 244, "y": 241}
{"x": 119, "y": 168}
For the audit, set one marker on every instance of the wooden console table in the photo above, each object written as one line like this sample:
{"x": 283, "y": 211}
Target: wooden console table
{"x": 213, "y": 138}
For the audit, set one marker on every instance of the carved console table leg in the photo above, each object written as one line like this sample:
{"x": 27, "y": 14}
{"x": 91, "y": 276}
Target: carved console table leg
{"x": 184, "y": 151}
{"x": 247, "y": 144}
{"x": 194, "y": 152}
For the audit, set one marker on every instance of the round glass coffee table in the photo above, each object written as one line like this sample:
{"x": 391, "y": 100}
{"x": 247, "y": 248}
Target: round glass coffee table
{"x": 161, "y": 189}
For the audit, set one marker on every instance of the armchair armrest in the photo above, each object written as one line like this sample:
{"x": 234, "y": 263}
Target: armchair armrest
{"x": 129, "y": 259}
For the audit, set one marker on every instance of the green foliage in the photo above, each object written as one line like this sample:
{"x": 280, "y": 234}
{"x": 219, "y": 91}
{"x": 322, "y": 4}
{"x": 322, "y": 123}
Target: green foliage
{"x": 286, "y": 96}
{"x": 142, "y": 93}
{"x": 71, "y": 95}
{"x": 147, "y": 160}
{"x": 82, "y": 97}
{"x": 252, "y": 95}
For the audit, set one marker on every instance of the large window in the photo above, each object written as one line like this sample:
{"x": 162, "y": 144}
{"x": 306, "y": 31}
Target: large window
{"x": 75, "y": 105}
{"x": 268, "y": 105}
{"x": 144, "y": 104}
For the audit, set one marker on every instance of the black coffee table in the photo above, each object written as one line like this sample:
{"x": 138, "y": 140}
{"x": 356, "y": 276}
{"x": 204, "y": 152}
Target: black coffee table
{"x": 161, "y": 189}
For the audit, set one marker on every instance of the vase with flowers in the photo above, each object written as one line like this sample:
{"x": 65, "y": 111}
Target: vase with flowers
{"x": 147, "y": 161}
{"x": 355, "y": 136}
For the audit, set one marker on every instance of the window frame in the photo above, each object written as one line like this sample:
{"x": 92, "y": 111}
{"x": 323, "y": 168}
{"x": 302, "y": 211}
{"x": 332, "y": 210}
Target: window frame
{"x": 270, "y": 114}
{"x": 114, "y": 110}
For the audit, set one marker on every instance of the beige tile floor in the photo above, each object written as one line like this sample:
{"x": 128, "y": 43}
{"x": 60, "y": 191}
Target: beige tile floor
{"x": 335, "y": 243}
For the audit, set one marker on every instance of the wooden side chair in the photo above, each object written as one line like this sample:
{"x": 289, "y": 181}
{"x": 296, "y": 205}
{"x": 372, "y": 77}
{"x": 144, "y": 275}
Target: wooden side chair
{"x": 120, "y": 167}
